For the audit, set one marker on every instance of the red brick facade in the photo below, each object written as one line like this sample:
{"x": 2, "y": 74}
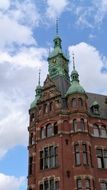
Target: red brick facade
{"x": 67, "y": 132}
{"x": 68, "y": 153}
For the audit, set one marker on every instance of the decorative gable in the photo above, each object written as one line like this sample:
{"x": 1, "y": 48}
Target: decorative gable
{"x": 49, "y": 90}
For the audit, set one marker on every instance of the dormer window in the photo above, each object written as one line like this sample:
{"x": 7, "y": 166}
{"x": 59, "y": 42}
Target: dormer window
{"x": 95, "y": 108}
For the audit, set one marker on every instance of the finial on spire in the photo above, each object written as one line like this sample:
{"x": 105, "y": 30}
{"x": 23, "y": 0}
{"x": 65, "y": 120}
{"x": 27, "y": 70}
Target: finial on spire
{"x": 39, "y": 77}
{"x": 73, "y": 60}
{"x": 57, "y": 26}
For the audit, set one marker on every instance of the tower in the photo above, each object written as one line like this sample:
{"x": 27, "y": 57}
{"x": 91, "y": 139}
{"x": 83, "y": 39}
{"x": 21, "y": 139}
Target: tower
{"x": 67, "y": 131}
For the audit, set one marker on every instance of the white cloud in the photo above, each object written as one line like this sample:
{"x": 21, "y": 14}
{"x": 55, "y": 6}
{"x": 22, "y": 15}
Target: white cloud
{"x": 30, "y": 57}
{"x": 13, "y": 34}
{"x": 17, "y": 22}
{"x": 13, "y": 122}
{"x": 90, "y": 15}
{"x": 4, "y": 4}
{"x": 11, "y": 182}
{"x": 89, "y": 64}
{"x": 19, "y": 77}
{"x": 56, "y": 7}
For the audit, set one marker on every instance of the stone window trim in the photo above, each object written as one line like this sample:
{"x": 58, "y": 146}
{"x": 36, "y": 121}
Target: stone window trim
{"x": 99, "y": 130}
{"x": 83, "y": 179}
{"x": 48, "y": 157}
{"x": 52, "y": 186}
{"x": 48, "y": 130}
{"x": 101, "y": 156}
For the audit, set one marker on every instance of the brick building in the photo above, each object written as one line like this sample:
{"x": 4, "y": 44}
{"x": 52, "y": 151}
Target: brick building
{"x": 67, "y": 131}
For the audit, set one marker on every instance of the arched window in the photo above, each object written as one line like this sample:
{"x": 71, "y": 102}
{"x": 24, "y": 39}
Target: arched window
{"x": 45, "y": 108}
{"x": 74, "y": 102}
{"x": 49, "y": 130}
{"x": 103, "y": 131}
{"x": 80, "y": 102}
{"x": 96, "y": 130}
{"x": 51, "y": 106}
{"x": 82, "y": 125}
{"x": 74, "y": 125}
{"x": 43, "y": 132}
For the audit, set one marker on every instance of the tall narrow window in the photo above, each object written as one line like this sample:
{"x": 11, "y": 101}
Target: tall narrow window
{"x": 51, "y": 106}
{"x": 77, "y": 154}
{"x": 80, "y": 102}
{"x": 82, "y": 125}
{"x": 45, "y": 108}
{"x": 32, "y": 117}
{"x": 30, "y": 165}
{"x": 74, "y": 103}
{"x": 96, "y": 130}
{"x": 103, "y": 132}
{"x": 87, "y": 184}
{"x": 49, "y": 130}
{"x": 85, "y": 154}
{"x": 43, "y": 132}
{"x": 90, "y": 156}
{"x": 46, "y": 185}
{"x": 75, "y": 125}
{"x": 102, "y": 158}
{"x": 55, "y": 128}
{"x": 79, "y": 184}
{"x": 31, "y": 141}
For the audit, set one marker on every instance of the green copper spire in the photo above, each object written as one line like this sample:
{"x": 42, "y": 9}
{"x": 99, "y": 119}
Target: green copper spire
{"x": 38, "y": 91}
{"x": 58, "y": 61}
{"x": 75, "y": 87}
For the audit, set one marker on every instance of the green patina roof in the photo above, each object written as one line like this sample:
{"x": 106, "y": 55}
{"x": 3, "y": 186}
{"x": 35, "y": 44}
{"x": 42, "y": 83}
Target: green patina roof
{"x": 95, "y": 103}
{"x": 37, "y": 96}
{"x": 75, "y": 86}
{"x": 57, "y": 48}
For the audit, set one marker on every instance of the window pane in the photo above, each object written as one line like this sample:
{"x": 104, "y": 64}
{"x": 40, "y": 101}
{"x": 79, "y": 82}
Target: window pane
{"x": 46, "y": 185}
{"x": 105, "y": 162}
{"x": 99, "y": 161}
{"x": 74, "y": 102}
{"x": 87, "y": 183}
{"x": 103, "y": 186}
{"x": 43, "y": 135}
{"x": 49, "y": 130}
{"x": 75, "y": 125}
{"x": 82, "y": 125}
{"x": 77, "y": 158}
{"x": 103, "y": 132}
{"x": 79, "y": 184}
{"x": 96, "y": 131}
{"x": 52, "y": 184}
{"x": 56, "y": 185}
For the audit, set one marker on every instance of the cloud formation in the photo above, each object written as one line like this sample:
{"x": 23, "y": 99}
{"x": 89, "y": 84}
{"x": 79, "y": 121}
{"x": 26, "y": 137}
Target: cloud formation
{"x": 10, "y": 182}
{"x": 56, "y": 7}
{"x": 89, "y": 63}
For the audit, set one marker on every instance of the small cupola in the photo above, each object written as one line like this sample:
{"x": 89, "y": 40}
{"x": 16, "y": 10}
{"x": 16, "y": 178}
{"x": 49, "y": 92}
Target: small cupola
{"x": 75, "y": 86}
{"x": 38, "y": 91}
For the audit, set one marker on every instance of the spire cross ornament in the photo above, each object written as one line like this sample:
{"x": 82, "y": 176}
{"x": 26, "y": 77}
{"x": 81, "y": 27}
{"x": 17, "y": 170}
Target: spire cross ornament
{"x": 73, "y": 61}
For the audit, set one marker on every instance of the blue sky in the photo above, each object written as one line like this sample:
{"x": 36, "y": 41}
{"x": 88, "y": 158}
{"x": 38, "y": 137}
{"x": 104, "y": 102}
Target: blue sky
{"x": 27, "y": 29}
